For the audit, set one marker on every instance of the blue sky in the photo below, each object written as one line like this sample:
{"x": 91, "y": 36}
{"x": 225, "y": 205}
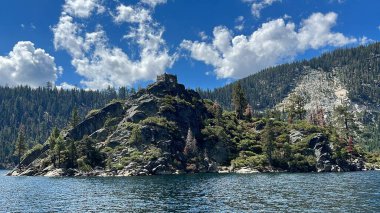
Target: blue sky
{"x": 206, "y": 43}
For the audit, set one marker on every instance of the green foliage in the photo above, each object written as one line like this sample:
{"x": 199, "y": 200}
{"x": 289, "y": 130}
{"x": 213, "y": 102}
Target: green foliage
{"x": 83, "y": 165}
{"x": 87, "y": 150}
{"x": 238, "y": 100}
{"x": 269, "y": 140}
{"x": 296, "y": 108}
{"x": 250, "y": 159}
{"x": 20, "y": 144}
{"x": 74, "y": 118}
{"x": 134, "y": 156}
{"x": 58, "y": 148}
{"x": 302, "y": 163}
{"x": 168, "y": 103}
{"x": 41, "y": 109}
{"x": 111, "y": 122}
{"x": 72, "y": 154}
{"x": 92, "y": 112}
{"x": 35, "y": 148}
{"x": 357, "y": 68}
{"x": 159, "y": 121}
{"x": 135, "y": 138}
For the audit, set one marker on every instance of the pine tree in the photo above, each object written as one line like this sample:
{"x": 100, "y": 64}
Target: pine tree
{"x": 20, "y": 145}
{"x": 52, "y": 142}
{"x": 345, "y": 118}
{"x": 296, "y": 108}
{"x": 72, "y": 154}
{"x": 238, "y": 100}
{"x": 74, "y": 118}
{"x": 58, "y": 148}
{"x": 269, "y": 140}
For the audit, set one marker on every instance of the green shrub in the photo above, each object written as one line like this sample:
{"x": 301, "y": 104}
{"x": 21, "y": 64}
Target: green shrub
{"x": 36, "y": 148}
{"x": 92, "y": 112}
{"x": 82, "y": 165}
{"x": 110, "y": 122}
{"x": 159, "y": 121}
{"x": 250, "y": 159}
{"x": 135, "y": 138}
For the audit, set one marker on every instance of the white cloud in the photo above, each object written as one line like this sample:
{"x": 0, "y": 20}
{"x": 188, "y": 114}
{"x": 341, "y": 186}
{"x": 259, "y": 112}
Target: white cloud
{"x": 27, "y": 65}
{"x": 274, "y": 42}
{"x": 378, "y": 27}
{"x": 82, "y": 8}
{"x": 132, "y": 14}
{"x": 65, "y": 36}
{"x": 66, "y": 86}
{"x": 258, "y": 5}
{"x": 153, "y": 3}
{"x": 316, "y": 32}
{"x": 364, "y": 40}
{"x": 102, "y": 64}
{"x": 203, "y": 36}
{"x": 239, "y": 23}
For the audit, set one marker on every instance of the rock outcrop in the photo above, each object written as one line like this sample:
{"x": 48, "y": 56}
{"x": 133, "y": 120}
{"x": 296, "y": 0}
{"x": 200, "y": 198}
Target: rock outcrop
{"x": 324, "y": 157}
{"x": 146, "y": 135}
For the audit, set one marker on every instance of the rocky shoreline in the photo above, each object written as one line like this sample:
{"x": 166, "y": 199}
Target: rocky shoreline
{"x": 100, "y": 172}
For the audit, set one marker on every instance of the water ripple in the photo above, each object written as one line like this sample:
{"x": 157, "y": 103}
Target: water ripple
{"x": 312, "y": 192}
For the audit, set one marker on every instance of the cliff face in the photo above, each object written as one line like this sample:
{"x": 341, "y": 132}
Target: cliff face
{"x": 324, "y": 93}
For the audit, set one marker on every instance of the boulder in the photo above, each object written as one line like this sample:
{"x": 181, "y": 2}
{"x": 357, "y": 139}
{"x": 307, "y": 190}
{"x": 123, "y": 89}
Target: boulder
{"x": 295, "y": 136}
{"x": 246, "y": 170}
{"x": 320, "y": 144}
{"x": 55, "y": 173}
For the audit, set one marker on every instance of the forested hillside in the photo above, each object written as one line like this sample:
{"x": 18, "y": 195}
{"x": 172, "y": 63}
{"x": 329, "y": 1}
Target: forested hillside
{"x": 356, "y": 70}
{"x": 38, "y": 110}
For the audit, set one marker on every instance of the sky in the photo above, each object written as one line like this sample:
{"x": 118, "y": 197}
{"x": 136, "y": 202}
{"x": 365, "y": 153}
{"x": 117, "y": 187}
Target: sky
{"x": 93, "y": 44}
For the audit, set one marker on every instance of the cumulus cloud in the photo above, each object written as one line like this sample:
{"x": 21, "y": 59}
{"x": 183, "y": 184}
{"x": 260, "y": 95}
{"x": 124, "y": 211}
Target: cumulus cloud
{"x": 258, "y": 5}
{"x": 82, "y": 8}
{"x": 102, "y": 64}
{"x": 27, "y": 65}
{"x": 274, "y": 42}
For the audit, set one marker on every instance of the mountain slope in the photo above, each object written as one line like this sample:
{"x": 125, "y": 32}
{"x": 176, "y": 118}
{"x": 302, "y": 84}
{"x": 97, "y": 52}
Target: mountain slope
{"x": 355, "y": 71}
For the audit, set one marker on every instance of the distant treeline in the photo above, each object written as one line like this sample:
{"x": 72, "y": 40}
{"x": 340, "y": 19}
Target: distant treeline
{"x": 39, "y": 110}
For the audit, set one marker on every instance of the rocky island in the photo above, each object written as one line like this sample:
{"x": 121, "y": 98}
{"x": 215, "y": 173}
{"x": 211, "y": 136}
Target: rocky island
{"x": 168, "y": 129}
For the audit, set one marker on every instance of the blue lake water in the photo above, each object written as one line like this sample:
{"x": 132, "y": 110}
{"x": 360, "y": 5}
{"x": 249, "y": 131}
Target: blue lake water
{"x": 310, "y": 192}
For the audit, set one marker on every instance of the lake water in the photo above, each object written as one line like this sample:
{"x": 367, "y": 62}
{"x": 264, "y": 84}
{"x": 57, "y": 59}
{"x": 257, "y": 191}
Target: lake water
{"x": 311, "y": 192}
